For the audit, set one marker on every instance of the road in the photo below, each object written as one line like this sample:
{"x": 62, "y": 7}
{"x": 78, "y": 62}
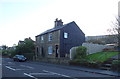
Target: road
{"x": 31, "y": 70}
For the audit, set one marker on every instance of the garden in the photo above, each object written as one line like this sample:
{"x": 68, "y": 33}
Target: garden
{"x": 94, "y": 60}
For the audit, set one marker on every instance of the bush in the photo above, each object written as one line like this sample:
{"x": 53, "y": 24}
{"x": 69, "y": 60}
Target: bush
{"x": 74, "y": 62}
{"x": 85, "y": 62}
{"x": 94, "y": 64}
{"x": 80, "y": 52}
{"x": 79, "y": 62}
{"x": 116, "y": 65}
{"x": 29, "y": 56}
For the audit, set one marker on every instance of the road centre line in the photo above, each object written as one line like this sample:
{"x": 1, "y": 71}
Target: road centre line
{"x": 30, "y": 76}
{"x": 13, "y": 68}
{"x": 10, "y": 62}
{"x": 57, "y": 73}
{"x": 27, "y": 66}
{"x": 19, "y": 69}
{"x": 10, "y": 68}
{"x": 41, "y": 74}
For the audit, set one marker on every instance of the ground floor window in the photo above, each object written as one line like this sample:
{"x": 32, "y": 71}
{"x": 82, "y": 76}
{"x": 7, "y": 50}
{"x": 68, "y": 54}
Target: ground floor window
{"x": 50, "y": 50}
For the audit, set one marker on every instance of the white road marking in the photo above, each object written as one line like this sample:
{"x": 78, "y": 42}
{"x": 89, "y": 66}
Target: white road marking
{"x": 27, "y": 66}
{"x": 10, "y": 68}
{"x": 45, "y": 71}
{"x": 19, "y": 69}
{"x": 30, "y": 76}
{"x": 57, "y": 73}
{"x": 13, "y": 68}
{"x": 41, "y": 74}
{"x": 10, "y": 62}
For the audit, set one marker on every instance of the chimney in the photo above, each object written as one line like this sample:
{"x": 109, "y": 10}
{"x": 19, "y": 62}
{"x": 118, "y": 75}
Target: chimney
{"x": 58, "y": 22}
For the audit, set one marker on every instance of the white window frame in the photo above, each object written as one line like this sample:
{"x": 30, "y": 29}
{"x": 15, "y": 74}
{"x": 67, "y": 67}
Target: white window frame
{"x": 65, "y": 35}
{"x": 50, "y": 50}
{"x": 50, "y": 37}
{"x": 41, "y": 39}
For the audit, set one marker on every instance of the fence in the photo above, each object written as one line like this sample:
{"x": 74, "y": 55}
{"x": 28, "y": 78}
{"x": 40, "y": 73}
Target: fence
{"x": 91, "y": 48}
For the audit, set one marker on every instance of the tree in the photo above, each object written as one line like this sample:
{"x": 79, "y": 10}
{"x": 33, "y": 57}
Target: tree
{"x": 4, "y": 47}
{"x": 4, "y": 50}
{"x": 116, "y": 30}
{"x": 27, "y": 47}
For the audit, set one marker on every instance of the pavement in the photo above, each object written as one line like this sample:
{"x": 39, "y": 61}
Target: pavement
{"x": 84, "y": 69}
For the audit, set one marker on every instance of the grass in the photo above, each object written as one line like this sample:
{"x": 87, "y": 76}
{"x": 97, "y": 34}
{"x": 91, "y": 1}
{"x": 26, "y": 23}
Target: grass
{"x": 101, "y": 56}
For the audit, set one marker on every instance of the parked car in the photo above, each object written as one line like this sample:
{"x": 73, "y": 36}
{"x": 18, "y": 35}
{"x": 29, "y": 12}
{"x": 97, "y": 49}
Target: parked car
{"x": 19, "y": 58}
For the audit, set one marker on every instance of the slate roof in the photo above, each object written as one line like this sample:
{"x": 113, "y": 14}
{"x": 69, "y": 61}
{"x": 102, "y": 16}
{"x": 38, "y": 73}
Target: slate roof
{"x": 54, "y": 29}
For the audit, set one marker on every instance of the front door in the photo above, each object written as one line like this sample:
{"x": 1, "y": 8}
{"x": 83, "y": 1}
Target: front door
{"x": 42, "y": 52}
{"x": 56, "y": 50}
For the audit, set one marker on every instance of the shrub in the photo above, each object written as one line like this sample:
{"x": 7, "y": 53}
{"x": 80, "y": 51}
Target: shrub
{"x": 78, "y": 62}
{"x": 85, "y": 62}
{"x": 29, "y": 56}
{"x": 94, "y": 64}
{"x": 80, "y": 52}
{"x": 74, "y": 62}
{"x": 116, "y": 65}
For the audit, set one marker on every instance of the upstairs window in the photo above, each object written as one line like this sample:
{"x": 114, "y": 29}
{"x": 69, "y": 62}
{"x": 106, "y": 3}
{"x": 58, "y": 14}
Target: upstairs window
{"x": 50, "y": 50}
{"x": 65, "y": 35}
{"x": 50, "y": 37}
{"x": 41, "y": 38}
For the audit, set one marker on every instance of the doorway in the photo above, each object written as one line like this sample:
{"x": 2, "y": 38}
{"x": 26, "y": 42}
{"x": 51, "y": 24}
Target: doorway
{"x": 56, "y": 50}
{"x": 42, "y": 52}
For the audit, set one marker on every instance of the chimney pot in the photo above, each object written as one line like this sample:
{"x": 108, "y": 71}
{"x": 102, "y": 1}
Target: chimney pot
{"x": 58, "y": 22}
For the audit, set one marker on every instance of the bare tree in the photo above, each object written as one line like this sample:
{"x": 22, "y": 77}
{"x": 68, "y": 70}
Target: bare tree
{"x": 116, "y": 30}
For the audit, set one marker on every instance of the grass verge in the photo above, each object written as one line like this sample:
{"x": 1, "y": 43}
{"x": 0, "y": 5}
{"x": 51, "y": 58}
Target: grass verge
{"x": 101, "y": 56}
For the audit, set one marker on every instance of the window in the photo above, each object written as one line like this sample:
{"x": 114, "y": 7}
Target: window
{"x": 50, "y": 37}
{"x": 65, "y": 35}
{"x": 41, "y": 39}
{"x": 50, "y": 50}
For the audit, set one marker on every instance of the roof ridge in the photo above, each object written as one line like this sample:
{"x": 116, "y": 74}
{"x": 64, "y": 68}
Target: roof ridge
{"x": 55, "y": 28}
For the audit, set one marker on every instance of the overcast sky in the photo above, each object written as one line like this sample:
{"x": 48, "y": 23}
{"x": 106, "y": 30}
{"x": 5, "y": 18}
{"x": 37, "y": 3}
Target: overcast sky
{"x": 20, "y": 19}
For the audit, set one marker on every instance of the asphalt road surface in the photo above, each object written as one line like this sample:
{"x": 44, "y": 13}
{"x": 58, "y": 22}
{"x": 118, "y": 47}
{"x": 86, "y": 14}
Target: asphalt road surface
{"x": 31, "y": 70}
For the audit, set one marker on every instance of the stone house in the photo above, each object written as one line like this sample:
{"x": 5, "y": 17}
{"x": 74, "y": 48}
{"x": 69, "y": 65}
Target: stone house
{"x": 57, "y": 42}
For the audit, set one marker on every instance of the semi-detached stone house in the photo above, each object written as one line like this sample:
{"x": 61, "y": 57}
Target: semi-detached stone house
{"x": 57, "y": 42}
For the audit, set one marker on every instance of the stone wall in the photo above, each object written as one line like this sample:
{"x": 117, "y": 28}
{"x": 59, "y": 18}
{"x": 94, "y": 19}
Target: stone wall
{"x": 55, "y": 60}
